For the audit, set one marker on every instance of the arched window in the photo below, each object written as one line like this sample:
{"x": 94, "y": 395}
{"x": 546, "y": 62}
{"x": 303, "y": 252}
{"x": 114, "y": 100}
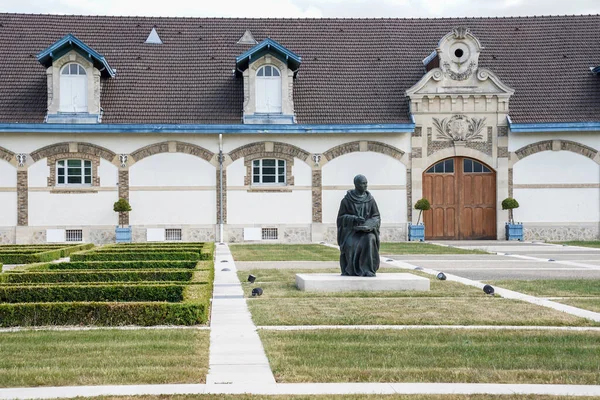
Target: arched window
{"x": 73, "y": 88}
{"x": 268, "y": 90}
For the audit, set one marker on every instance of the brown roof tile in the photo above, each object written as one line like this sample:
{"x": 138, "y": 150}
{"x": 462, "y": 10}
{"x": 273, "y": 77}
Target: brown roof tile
{"x": 353, "y": 70}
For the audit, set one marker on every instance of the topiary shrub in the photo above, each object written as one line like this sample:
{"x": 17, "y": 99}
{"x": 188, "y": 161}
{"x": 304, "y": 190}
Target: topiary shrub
{"x": 122, "y": 206}
{"x": 509, "y": 204}
{"x": 422, "y": 205}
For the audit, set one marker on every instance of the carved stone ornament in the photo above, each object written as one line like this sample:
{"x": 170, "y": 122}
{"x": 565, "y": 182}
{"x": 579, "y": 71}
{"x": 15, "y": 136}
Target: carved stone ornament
{"x": 459, "y": 128}
{"x": 317, "y": 159}
{"x": 459, "y": 76}
{"x": 21, "y": 159}
{"x": 123, "y": 159}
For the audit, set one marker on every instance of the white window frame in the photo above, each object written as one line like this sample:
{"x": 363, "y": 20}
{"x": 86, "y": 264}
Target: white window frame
{"x": 66, "y": 175}
{"x": 73, "y": 83}
{"x": 268, "y": 90}
{"x": 258, "y": 172}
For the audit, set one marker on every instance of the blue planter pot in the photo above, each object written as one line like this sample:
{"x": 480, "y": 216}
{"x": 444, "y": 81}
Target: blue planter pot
{"x": 514, "y": 231}
{"x": 123, "y": 235}
{"x": 416, "y": 233}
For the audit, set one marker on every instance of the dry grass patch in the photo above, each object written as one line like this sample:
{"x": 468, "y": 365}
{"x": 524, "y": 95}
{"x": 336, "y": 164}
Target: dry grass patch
{"x": 582, "y": 243}
{"x": 591, "y": 304}
{"x": 283, "y": 252}
{"x": 553, "y": 287}
{"x": 337, "y": 397}
{"x": 434, "y": 356}
{"x": 423, "y": 248}
{"x": 103, "y": 357}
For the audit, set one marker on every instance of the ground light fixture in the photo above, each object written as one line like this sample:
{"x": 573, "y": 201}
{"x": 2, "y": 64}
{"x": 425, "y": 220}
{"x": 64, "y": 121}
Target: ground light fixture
{"x": 251, "y": 279}
{"x": 441, "y": 276}
{"x": 488, "y": 289}
{"x": 225, "y": 269}
{"x": 257, "y": 292}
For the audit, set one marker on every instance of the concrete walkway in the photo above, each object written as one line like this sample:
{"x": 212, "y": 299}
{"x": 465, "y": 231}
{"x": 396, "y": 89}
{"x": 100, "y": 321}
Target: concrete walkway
{"x": 302, "y": 389}
{"x": 236, "y": 352}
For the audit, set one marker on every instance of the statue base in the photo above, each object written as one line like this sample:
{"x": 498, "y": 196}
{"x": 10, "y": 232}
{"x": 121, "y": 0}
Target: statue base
{"x": 381, "y": 282}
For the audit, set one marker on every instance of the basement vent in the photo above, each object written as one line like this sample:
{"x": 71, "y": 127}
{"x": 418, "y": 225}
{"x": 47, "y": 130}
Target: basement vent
{"x": 74, "y": 235}
{"x": 247, "y": 38}
{"x": 173, "y": 234}
{"x": 269, "y": 233}
{"x": 153, "y": 37}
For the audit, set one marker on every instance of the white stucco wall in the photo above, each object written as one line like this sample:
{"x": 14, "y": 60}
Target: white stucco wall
{"x": 8, "y": 175}
{"x": 8, "y": 208}
{"x": 178, "y": 207}
{"x": 38, "y": 173}
{"x": 53, "y": 209}
{"x": 108, "y": 173}
{"x": 555, "y": 204}
{"x": 190, "y": 198}
{"x": 269, "y": 207}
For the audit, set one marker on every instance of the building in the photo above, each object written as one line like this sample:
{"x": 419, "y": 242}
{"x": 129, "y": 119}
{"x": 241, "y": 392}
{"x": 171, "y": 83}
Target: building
{"x": 465, "y": 112}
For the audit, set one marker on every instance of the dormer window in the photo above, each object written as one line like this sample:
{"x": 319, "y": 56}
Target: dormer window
{"x": 268, "y": 90}
{"x": 73, "y": 88}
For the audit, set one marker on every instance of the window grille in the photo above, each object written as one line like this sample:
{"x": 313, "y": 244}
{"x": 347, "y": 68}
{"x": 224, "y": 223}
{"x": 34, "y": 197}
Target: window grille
{"x": 74, "y": 172}
{"x": 269, "y": 233}
{"x": 74, "y": 235}
{"x": 268, "y": 171}
{"x": 172, "y": 234}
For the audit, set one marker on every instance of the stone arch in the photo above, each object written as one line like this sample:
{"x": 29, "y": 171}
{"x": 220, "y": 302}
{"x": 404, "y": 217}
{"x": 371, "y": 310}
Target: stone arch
{"x": 564, "y": 145}
{"x": 373, "y": 146}
{"x": 65, "y": 148}
{"x": 172, "y": 146}
{"x": 459, "y": 152}
{"x": 6, "y": 155}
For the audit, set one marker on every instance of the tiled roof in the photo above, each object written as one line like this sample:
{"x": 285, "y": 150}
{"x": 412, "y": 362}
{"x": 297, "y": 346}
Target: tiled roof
{"x": 352, "y": 71}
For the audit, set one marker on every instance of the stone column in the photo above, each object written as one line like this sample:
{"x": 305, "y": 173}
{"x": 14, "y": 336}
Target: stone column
{"x": 317, "y": 196}
{"x": 124, "y": 193}
{"x": 22, "y": 198}
{"x": 224, "y": 194}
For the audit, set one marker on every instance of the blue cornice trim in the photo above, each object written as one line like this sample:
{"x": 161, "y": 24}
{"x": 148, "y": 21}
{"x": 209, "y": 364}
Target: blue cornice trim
{"x": 554, "y": 127}
{"x": 268, "y": 44}
{"x": 46, "y": 57}
{"x": 208, "y": 128}
{"x": 595, "y": 70}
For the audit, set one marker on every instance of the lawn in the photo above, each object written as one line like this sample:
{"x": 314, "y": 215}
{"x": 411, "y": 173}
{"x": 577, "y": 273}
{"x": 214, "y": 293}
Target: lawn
{"x": 447, "y": 303}
{"x": 553, "y": 287}
{"x": 337, "y": 397}
{"x": 592, "y": 304}
{"x": 583, "y": 243}
{"x": 422, "y": 248}
{"x": 434, "y": 356}
{"x": 102, "y": 357}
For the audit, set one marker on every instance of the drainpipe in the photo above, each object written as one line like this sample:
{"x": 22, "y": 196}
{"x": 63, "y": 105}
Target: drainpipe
{"x": 221, "y": 188}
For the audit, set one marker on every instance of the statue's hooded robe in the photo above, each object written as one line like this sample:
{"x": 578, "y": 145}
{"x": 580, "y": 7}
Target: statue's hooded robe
{"x": 359, "y": 250}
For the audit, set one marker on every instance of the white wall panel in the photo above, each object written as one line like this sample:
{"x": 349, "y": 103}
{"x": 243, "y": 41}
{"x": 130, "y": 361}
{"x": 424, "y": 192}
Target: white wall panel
{"x": 8, "y": 208}
{"x": 269, "y": 207}
{"x": 108, "y": 173}
{"x": 172, "y": 169}
{"x": 391, "y": 203}
{"x": 557, "y": 205}
{"x": 38, "y": 174}
{"x": 50, "y": 209}
{"x": 8, "y": 175}
{"x": 236, "y": 171}
{"x": 172, "y": 207}
{"x": 302, "y": 173}
{"x": 556, "y": 167}
{"x": 378, "y": 168}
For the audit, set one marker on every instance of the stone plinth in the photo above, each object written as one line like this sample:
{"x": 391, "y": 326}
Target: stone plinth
{"x": 381, "y": 282}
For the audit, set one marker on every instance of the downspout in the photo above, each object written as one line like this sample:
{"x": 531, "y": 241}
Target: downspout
{"x": 221, "y": 188}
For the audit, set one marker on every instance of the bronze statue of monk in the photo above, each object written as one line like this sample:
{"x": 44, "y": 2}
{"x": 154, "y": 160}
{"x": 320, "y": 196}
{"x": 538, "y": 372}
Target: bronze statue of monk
{"x": 358, "y": 224}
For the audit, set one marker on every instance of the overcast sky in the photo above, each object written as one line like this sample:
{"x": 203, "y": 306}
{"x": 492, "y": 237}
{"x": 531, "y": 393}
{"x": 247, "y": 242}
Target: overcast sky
{"x": 305, "y": 8}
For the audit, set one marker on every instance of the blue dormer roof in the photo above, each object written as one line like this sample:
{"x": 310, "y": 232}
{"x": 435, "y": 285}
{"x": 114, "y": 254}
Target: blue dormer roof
{"x": 268, "y": 46}
{"x": 70, "y": 42}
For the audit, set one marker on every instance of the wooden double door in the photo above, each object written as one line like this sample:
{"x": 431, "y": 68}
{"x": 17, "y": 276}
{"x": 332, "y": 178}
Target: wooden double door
{"x": 462, "y": 193}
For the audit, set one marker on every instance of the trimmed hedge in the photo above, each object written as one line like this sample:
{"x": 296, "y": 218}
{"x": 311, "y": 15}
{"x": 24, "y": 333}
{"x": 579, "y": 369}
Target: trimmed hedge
{"x": 103, "y": 314}
{"x": 42, "y": 256}
{"x": 61, "y": 293}
{"x": 96, "y": 276}
{"x": 130, "y": 256}
{"x": 123, "y": 265}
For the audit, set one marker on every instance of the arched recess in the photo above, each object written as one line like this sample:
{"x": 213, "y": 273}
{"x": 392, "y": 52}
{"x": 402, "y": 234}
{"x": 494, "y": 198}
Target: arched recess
{"x": 460, "y": 152}
{"x": 266, "y": 149}
{"x": 84, "y": 151}
{"x": 377, "y": 147}
{"x": 564, "y": 145}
